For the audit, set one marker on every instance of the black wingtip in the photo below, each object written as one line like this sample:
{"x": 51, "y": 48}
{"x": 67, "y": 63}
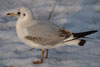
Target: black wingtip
{"x": 95, "y": 31}
{"x": 82, "y": 42}
{"x": 83, "y": 34}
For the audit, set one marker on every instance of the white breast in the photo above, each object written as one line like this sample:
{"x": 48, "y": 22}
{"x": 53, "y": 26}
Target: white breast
{"x": 22, "y": 32}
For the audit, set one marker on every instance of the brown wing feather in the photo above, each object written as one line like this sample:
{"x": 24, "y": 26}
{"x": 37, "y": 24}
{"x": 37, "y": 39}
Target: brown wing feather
{"x": 64, "y": 33}
{"x": 33, "y": 38}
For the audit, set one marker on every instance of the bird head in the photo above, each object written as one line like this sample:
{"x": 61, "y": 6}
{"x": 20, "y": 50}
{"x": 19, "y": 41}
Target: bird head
{"x": 22, "y": 13}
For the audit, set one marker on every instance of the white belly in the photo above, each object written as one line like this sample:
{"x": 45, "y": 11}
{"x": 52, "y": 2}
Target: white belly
{"x": 21, "y": 33}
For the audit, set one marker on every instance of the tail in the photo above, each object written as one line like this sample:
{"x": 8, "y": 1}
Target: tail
{"x": 82, "y": 42}
{"x": 82, "y": 35}
{"x": 76, "y": 42}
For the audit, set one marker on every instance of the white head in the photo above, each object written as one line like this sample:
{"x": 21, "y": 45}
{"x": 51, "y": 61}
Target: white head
{"x": 22, "y": 13}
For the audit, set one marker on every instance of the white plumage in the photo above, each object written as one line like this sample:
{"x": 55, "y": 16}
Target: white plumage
{"x": 47, "y": 31}
{"x": 41, "y": 33}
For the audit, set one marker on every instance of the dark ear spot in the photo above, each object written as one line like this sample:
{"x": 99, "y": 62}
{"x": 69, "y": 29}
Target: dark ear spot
{"x": 24, "y": 14}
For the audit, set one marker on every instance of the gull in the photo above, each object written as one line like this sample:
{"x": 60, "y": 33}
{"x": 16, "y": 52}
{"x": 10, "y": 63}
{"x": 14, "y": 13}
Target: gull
{"x": 44, "y": 34}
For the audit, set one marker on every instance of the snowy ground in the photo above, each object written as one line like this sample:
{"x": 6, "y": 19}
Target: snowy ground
{"x": 74, "y": 15}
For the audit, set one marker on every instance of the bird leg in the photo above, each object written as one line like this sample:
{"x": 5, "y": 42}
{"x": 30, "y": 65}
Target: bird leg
{"x": 46, "y": 53}
{"x": 40, "y": 61}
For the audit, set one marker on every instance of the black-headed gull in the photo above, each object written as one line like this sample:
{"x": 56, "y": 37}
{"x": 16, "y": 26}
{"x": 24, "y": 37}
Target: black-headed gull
{"x": 44, "y": 34}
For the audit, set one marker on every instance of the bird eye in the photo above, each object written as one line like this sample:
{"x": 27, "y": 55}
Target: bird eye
{"x": 24, "y": 14}
{"x": 18, "y": 13}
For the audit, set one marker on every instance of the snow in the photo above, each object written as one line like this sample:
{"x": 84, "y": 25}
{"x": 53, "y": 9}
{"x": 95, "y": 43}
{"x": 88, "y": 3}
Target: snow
{"x": 74, "y": 15}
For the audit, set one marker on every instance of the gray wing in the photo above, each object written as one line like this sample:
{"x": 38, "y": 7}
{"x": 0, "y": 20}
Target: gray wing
{"x": 45, "y": 32}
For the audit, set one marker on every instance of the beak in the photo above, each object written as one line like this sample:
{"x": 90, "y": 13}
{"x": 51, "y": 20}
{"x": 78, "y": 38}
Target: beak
{"x": 12, "y": 14}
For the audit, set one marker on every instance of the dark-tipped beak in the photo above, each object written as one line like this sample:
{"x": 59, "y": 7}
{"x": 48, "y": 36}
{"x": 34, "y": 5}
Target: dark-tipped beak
{"x": 12, "y": 14}
{"x": 8, "y": 14}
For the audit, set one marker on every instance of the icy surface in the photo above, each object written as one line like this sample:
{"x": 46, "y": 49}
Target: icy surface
{"x": 74, "y": 15}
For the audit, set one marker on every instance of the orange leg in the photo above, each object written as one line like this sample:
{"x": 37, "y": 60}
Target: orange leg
{"x": 46, "y": 53}
{"x": 40, "y": 61}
